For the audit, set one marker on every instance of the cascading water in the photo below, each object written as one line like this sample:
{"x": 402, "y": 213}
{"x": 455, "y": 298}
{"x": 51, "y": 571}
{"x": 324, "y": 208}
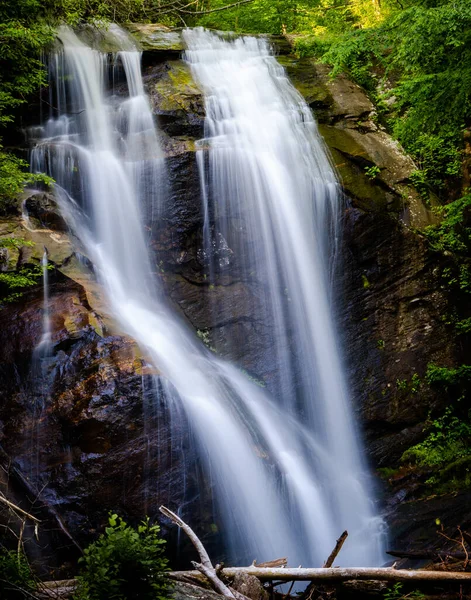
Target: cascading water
{"x": 275, "y": 201}
{"x": 40, "y": 376}
{"x": 45, "y": 343}
{"x": 280, "y": 489}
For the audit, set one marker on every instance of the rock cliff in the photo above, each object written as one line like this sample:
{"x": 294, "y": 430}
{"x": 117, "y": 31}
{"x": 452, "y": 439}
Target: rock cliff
{"x": 78, "y": 431}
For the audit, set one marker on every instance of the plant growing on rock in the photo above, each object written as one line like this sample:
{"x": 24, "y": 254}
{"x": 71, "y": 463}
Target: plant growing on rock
{"x": 124, "y": 564}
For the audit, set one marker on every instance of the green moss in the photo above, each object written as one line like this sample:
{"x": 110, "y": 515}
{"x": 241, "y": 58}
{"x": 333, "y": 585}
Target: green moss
{"x": 388, "y": 472}
{"x": 303, "y": 74}
{"x": 156, "y": 37}
{"x": 177, "y": 90}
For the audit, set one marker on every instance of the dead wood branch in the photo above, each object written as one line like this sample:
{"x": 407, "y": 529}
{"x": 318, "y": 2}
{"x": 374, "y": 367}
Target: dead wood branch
{"x": 204, "y": 557}
{"x": 17, "y": 475}
{"x": 279, "y": 562}
{"x": 212, "y": 10}
{"x": 338, "y": 546}
{"x": 205, "y": 566}
{"x": 17, "y": 509}
{"x": 427, "y": 554}
{"x": 460, "y": 542}
{"x": 338, "y": 574}
{"x": 217, "y": 584}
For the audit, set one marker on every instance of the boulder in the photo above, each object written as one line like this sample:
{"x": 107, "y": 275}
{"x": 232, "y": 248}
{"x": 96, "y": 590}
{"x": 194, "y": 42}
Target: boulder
{"x": 43, "y": 211}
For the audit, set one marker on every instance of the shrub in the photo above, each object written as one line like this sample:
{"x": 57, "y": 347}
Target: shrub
{"x": 448, "y": 439}
{"x": 124, "y": 563}
{"x": 16, "y": 580}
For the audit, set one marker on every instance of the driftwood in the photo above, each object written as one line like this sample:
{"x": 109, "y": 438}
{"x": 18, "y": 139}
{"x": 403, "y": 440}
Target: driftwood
{"x": 205, "y": 566}
{"x": 338, "y": 546}
{"x": 17, "y": 509}
{"x": 427, "y": 554}
{"x": 279, "y": 562}
{"x": 336, "y": 574}
{"x": 313, "y": 586}
{"x": 327, "y": 574}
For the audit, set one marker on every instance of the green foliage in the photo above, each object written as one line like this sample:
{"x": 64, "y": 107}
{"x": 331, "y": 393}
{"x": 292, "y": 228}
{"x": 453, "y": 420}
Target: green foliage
{"x": 13, "y": 178}
{"x": 14, "y": 242}
{"x": 412, "y": 385}
{"x": 425, "y": 53}
{"x": 356, "y": 53}
{"x": 452, "y": 238}
{"x": 454, "y": 377}
{"x": 448, "y": 439}
{"x": 308, "y": 46}
{"x": 387, "y": 472}
{"x": 261, "y": 16}
{"x": 401, "y": 384}
{"x": 372, "y": 172}
{"x": 124, "y": 563}
{"x": 16, "y": 580}
{"x": 13, "y": 284}
{"x": 453, "y": 234}
{"x": 396, "y": 592}
{"x": 447, "y": 446}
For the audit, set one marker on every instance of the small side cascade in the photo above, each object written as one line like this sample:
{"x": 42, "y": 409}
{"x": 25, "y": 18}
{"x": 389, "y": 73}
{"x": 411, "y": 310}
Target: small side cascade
{"x": 44, "y": 346}
{"x": 41, "y": 377}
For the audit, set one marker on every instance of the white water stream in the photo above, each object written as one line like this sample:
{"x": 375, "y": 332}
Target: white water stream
{"x": 285, "y": 486}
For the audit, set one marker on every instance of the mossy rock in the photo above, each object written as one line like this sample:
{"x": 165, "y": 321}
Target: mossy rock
{"x": 459, "y": 469}
{"x": 303, "y": 74}
{"x": 350, "y": 160}
{"x": 177, "y": 91}
{"x": 155, "y": 37}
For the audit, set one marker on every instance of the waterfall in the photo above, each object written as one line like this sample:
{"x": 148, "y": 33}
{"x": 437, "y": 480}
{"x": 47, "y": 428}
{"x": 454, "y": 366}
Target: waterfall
{"x": 45, "y": 342}
{"x": 276, "y": 203}
{"x": 284, "y": 485}
{"x": 40, "y": 378}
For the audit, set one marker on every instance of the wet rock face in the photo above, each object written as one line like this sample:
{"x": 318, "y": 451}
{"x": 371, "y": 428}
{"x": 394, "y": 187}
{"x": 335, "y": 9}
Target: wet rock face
{"x": 391, "y": 303}
{"x": 391, "y": 317}
{"x": 43, "y": 211}
{"x": 86, "y": 428}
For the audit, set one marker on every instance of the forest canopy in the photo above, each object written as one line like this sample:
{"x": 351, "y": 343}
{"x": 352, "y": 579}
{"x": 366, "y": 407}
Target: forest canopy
{"x": 412, "y": 56}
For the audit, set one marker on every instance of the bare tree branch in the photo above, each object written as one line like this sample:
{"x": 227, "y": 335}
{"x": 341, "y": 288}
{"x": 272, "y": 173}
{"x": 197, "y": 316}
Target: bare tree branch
{"x": 338, "y": 546}
{"x": 17, "y": 509}
{"x": 213, "y": 10}
{"x": 204, "y": 557}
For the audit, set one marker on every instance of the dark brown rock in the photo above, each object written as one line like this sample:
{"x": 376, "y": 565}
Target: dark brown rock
{"x": 43, "y": 211}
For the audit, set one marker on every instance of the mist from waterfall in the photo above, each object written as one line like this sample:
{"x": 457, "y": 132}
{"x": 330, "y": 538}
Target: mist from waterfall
{"x": 286, "y": 481}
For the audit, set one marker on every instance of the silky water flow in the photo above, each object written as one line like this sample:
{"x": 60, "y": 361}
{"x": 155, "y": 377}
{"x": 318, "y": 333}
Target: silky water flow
{"x": 286, "y": 473}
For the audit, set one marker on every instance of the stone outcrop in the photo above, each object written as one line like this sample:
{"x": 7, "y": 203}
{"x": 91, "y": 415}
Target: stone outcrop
{"x": 81, "y": 423}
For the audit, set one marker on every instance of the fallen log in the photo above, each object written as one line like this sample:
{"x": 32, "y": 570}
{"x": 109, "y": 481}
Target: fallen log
{"x": 426, "y": 554}
{"x": 336, "y": 574}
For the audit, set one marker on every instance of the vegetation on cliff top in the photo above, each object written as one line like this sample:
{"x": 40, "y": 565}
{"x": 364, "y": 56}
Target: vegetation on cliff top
{"x": 413, "y": 56}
